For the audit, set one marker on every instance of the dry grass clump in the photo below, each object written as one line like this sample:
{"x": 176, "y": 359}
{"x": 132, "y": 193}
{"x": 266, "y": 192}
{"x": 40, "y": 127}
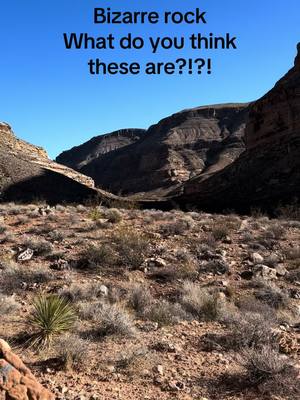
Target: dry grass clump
{"x": 95, "y": 257}
{"x": 289, "y": 211}
{"x": 111, "y": 319}
{"x": 3, "y": 228}
{"x": 72, "y": 351}
{"x": 40, "y": 247}
{"x": 78, "y": 292}
{"x": 272, "y": 295}
{"x": 271, "y": 371}
{"x": 8, "y": 304}
{"x": 156, "y": 310}
{"x": 13, "y": 278}
{"x": 113, "y": 215}
{"x": 202, "y": 304}
{"x": 132, "y": 247}
{"x": 177, "y": 227}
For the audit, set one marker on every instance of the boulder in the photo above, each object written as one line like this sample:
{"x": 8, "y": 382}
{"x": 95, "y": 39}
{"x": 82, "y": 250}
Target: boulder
{"x": 16, "y": 380}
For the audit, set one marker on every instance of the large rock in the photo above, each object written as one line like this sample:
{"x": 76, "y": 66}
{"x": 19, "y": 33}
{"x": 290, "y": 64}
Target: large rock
{"x": 16, "y": 380}
{"x": 186, "y": 144}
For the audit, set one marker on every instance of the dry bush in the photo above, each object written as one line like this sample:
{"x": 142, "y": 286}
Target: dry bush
{"x": 166, "y": 313}
{"x": 132, "y": 247}
{"x": 40, "y": 247}
{"x": 271, "y": 371}
{"x": 161, "y": 311}
{"x": 272, "y": 295}
{"x": 220, "y": 231}
{"x": 94, "y": 257}
{"x": 178, "y": 227}
{"x": 111, "y": 319}
{"x": 14, "y": 279}
{"x": 72, "y": 351}
{"x": 78, "y": 292}
{"x": 8, "y": 305}
{"x": 114, "y": 320}
{"x": 140, "y": 299}
{"x": 249, "y": 330}
{"x": 201, "y": 303}
{"x": 113, "y": 215}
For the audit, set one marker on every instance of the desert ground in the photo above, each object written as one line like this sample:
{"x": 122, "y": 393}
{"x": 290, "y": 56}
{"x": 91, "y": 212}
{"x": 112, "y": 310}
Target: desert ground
{"x": 169, "y": 305}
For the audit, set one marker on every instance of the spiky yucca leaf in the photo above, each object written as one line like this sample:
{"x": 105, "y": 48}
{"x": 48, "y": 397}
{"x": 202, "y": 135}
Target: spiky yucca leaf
{"x": 52, "y": 316}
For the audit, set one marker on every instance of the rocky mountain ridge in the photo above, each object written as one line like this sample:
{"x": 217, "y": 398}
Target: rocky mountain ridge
{"x": 169, "y": 153}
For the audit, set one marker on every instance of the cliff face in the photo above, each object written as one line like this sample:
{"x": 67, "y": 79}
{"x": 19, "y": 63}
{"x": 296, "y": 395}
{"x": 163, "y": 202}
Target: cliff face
{"x": 186, "y": 144}
{"x": 268, "y": 171}
{"x": 26, "y": 173}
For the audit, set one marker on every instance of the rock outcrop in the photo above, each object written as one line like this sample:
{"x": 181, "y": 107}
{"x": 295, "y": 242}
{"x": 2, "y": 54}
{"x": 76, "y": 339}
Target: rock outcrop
{"x": 186, "y": 144}
{"x": 268, "y": 172}
{"x": 16, "y": 380}
{"x": 26, "y": 174}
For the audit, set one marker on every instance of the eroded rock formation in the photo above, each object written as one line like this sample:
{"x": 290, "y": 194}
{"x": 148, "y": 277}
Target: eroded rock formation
{"x": 16, "y": 380}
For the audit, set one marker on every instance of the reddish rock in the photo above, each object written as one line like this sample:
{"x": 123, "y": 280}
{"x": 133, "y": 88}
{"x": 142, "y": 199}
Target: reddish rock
{"x": 16, "y": 380}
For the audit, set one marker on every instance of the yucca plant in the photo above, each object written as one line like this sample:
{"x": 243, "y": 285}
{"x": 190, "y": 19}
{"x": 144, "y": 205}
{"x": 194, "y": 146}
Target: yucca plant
{"x": 52, "y": 316}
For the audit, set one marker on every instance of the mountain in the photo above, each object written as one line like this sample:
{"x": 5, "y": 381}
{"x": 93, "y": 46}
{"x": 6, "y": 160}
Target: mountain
{"x": 186, "y": 144}
{"x": 268, "y": 172}
{"x": 80, "y": 156}
{"x": 26, "y": 173}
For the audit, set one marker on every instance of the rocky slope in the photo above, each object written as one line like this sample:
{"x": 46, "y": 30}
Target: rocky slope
{"x": 27, "y": 173}
{"x": 268, "y": 171}
{"x": 79, "y": 156}
{"x": 179, "y": 147}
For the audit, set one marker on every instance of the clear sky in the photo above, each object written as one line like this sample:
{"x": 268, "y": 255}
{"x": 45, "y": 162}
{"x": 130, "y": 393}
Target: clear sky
{"x": 49, "y": 98}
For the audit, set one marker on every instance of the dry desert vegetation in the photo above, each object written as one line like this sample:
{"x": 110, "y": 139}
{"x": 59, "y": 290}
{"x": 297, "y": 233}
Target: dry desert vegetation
{"x": 112, "y": 303}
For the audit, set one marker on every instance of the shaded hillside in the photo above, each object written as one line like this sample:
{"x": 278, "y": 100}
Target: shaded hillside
{"x": 179, "y": 147}
{"x": 269, "y": 171}
{"x": 26, "y": 173}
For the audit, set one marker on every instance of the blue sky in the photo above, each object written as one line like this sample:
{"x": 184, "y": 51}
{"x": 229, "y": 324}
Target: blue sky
{"x": 49, "y": 98}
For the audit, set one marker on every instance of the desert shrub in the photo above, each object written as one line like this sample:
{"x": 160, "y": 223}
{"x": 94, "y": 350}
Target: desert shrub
{"x": 161, "y": 311}
{"x": 273, "y": 373}
{"x": 72, "y": 351}
{"x": 220, "y": 231}
{"x": 78, "y": 292}
{"x": 56, "y": 236}
{"x": 113, "y": 320}
{"x": 165, "y": 313}
{"x": 8, "y": 304}
{"x": 132, "y": 247}
{"x": 140, "y": 299}
{"x": 272, "y": 295}
{"x": 52, "y": 316}
{"x": 113, "y": 215}
{"x": 274, "y": 231}
{"x": 249, "y": 330}
{"x": 177, "y": 227}
{"x": 96, "y": 257}
{"x": 200, "y": 302}
{"x": 13, "y": 278}
{"x": 40, "y": 247}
